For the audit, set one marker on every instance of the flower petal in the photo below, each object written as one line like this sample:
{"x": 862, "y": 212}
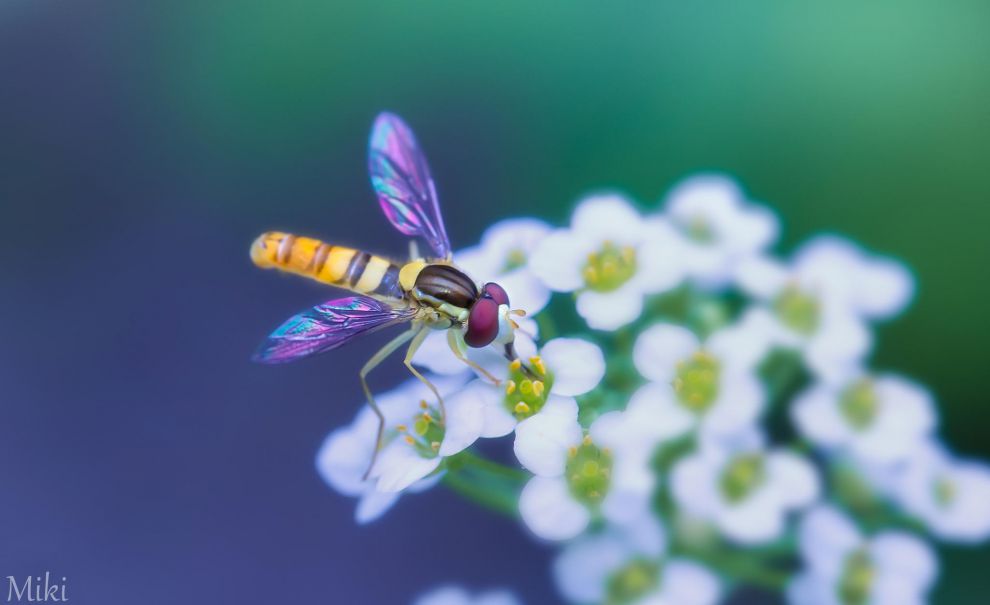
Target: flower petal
{"x": 480, "y": 263}
{"x": 658, "y": 415}
{"x": 559, "y": 259}
{"x": 577, "y": 365}
{"x": 496, "y": 597}
{"x": 542, "y": 441}
{"x": 435, "y": 355}
{"x": 742, "y": 346}
{"x": 496, "y": 419}
{"x": 628, "y": 500}
{"x": 610, "y": 310}
{"x": 761, "y": 277}
{"x": 549, "y": 510}
{"x": 343, "y": 459}
{"x": 526, "y": 291}
{"x": 740, "y": 401}
{"x": 514, "y": 235}
{"x": 399, "y": 466}
{"x": 465, "y": 422}
{"x": 660, "y": 262}
{"x": 687, "y": 583}
{"x": 755, "y": 520}
{"x": 446, "y": 595}
{"x": 607, "y": 217}
{"x": 564, "y": 407}
{"x": 826, "y": 537}
{"x": 817, "y": 416}
{"x": 374, "y": 504}
{"x": 806, "y": 588}
{"x": 660, "y": 348}
{"x": 967, "y": 519}
{"x": 838, "y": 346}
{"x": 793, "y": 478}
{"x": 884, "y": 288}
{"x": 905, "y": 557}
{"x": 711, "y": 196}
{"x": 754, "y": 229}
{"x": 694, "y": 486}
{"x": 582, "y": 569}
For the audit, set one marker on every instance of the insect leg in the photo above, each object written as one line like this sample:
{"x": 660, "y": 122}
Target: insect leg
{"x": 455, "y": 347}
{"x": 417, "y": 340}
{"x": 372, "y": 363}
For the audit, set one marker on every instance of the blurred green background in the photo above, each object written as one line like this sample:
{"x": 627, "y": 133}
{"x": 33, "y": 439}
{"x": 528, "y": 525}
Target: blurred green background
{"x": 870, "y": 119}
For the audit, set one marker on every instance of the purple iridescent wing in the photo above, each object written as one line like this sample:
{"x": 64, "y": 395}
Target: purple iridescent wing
{"x": 328, "y": 326}
{"x": 403, "y": 183}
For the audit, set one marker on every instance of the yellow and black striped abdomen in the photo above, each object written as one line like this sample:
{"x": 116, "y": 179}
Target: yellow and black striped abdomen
{"x": 335, "y": 265}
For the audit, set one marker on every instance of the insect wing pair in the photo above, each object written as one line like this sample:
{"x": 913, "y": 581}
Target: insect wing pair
{"x": 405, "y": 190}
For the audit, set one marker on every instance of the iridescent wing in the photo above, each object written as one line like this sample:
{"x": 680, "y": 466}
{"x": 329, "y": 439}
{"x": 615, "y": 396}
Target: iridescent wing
{"x": 328, "y": 326}
{"x": 403, "y": 183}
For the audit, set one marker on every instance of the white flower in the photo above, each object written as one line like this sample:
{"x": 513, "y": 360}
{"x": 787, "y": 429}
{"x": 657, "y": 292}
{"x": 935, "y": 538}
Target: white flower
{"x": 744, "y": 489}
{"x": 612, "y": 258}
{"x": 453, "y": 595}
{"x": 874, "y": 286}
{"x": 503, "y": 257}
{"x": 604, "y": 473}
{"x": 710, "y": 386}
{"x": 563, "y": 369}
{"x": 842, "y": 567}
{"x": 820, "y": 303}
{"x": 628, "y": 565}
{"x": 719, "y": 227}
{"x": 878, "y": 420}
{"x": 421, "y": 439}
{"x": 347, "y": 452}
{"x": 951, "y": 496}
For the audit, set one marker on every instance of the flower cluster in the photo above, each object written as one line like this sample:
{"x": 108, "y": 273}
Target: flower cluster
{"x": 689, "y": 413}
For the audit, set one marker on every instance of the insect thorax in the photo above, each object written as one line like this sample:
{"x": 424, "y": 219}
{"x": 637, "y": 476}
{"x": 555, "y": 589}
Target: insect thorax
{"x": 446, "y": 289}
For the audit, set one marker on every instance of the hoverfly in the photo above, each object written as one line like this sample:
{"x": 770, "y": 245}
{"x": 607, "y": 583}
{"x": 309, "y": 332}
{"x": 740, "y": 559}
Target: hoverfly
{"x": 429, "y": 293}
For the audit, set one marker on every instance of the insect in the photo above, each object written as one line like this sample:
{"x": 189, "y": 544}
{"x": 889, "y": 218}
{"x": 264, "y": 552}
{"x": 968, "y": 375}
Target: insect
{"x": 429, "y": 293}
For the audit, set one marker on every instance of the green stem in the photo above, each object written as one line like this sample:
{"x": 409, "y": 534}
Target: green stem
{"x": 741, "y": 566}
{"x": 499, "y": 500}
{"x": 472, "y": 460}
{"x": 485, "y": 482}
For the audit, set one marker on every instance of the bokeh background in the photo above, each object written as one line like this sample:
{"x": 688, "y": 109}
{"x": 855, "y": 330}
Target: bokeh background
{"x": 144, "y": 144}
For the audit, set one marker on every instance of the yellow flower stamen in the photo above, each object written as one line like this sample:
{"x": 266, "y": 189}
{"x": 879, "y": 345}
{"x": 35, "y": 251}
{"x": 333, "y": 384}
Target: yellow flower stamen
{"x": 609, "y": 267}
{"x": 537, "y": 362}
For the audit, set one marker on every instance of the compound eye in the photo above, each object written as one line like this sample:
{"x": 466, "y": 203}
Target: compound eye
{"x": 497, "y": 293}
{"x": 482, "y": 323}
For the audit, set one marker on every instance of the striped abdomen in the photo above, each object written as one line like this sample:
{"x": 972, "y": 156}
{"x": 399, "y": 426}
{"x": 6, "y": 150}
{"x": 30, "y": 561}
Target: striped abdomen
{"x": 335, "y": 265}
